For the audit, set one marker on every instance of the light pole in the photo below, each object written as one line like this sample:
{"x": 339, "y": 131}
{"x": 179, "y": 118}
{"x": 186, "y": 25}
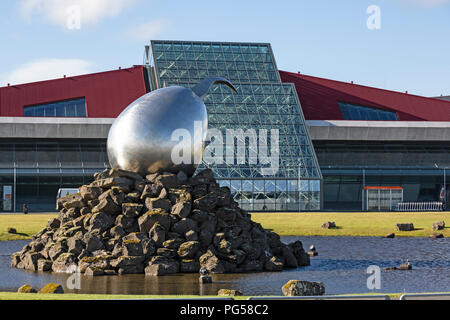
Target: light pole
{"x": 15, "y": 188}
{"x": 298, "y": 186}
{"x": 363, "y": 190}
{"x": 445, "y": 184}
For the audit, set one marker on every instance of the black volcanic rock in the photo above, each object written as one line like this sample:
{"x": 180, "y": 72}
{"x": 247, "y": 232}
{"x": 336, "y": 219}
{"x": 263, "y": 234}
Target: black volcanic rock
{"x": 159, "y": 224}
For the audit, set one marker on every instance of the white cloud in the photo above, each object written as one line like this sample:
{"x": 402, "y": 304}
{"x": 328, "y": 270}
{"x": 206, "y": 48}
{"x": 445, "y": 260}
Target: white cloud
{"x": 45, "y": 69}
{"x": 56, "y": 11}
{"x": 148, "y": 30}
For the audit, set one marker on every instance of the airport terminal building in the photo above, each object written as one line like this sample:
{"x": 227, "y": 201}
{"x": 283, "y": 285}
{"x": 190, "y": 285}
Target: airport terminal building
{"x": 335, "y": 138}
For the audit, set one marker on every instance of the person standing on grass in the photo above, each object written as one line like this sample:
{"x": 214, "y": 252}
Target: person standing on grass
{"x": 25, "y": 208}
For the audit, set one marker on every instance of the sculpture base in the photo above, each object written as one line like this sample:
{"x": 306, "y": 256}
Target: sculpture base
{"x": 159, "y": 224}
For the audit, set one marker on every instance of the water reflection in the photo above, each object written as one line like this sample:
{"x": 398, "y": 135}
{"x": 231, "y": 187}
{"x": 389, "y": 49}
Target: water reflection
{"x": 341, "y": 265}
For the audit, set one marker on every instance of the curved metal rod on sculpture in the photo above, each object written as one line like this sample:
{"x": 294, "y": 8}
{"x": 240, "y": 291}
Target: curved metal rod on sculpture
{"x": 202, "y": 88}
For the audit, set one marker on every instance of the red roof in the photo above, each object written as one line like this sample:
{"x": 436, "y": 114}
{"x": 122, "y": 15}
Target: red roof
{"x": 106, "y": 93}
{"x": 383, "y": 188}
{"x": 319, "y": 98}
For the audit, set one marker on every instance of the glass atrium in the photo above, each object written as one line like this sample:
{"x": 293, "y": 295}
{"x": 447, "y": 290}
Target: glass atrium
{"x": 262, "y": 102}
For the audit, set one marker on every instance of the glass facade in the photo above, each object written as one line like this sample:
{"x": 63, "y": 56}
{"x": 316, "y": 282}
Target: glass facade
{"x": 67, "y": 108}
{"x": 181, "y": 62}
{"x": 382, "y": 199}
{"x": 39, "y": 169}
{"x": 348, "y": 167}
{"x": 354, "y": 112}
{"x": 261, "y": 102}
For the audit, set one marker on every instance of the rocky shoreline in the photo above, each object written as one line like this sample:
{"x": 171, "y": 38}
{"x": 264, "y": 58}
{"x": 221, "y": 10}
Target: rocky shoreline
{"x": 123, "y": 223}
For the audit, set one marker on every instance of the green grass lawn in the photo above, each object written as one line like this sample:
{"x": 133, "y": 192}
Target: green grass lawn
{"x": 73, "y": 296}
{"x": 351, "y": 223}
{"x": 285, "y": 223}
{"x": 25, "y": 224}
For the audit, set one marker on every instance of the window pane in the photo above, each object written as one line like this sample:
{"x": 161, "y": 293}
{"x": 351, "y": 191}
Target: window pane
{"x": 47, "y": 153}
{"x": 354, "y": 112}
{"x": 70, "y": 154}
{"x": 92, "y": 153}
{"x": 6, "y": 154}
{"x": 49, "y": 110}
{"x": 69, "y": 108}
{"x": 39, "y": 111}
{"x": 80, "y": 109}
{"x": 25, "y": 153}
{"x": 236, "y": 189}
{"x": 60, "y": 110}
{"x": 28, "y": 112}
{"x": 224, "y": 183}
{"x": 384, "y": 116}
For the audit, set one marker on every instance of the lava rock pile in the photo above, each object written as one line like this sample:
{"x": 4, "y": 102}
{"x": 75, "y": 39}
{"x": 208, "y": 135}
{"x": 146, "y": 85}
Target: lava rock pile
{"x": 123, "y": 223}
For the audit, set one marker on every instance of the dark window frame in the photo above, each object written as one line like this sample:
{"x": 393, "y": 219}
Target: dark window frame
{"x": 351, "y": 111}
{"x": 69, "y": 105}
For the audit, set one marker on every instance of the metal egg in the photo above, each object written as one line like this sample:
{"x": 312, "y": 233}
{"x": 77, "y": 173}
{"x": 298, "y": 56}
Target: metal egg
{"x": 140, "y": 138}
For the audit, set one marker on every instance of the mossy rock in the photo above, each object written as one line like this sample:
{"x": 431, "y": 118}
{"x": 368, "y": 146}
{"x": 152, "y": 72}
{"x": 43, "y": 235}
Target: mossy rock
{"x": 72, "y": 231}
{"x": 126, "y": 261}
{"x": 94, "y": 271}
{"x": 78, "y": 235}
{"x": 26, "y": 288}
{"x": 303, "y": 288}
{"x": 131, "y": 241}
{"x": 96, "y": 259}
{"x": 229, "y": 293}
{"x": 65, "y": 257}
{"x": 131, "y": 204}
{"x": 87, "y": 217}
{"x": 288, "y": 284}
{"x": 125, "y": 258}
{"x": 67, "y": 225}
{"x": 133, "y": 234}
{"x": 157, "y": 211}
{"x": 62, "y": 240}
{"x": 97, "y": 269}
{"x": 52, "y": 288}
{"x": 172, "y": 243}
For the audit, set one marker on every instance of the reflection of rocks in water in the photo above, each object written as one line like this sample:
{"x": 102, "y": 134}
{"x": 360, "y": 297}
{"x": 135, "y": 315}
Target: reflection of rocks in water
{"x": 187, "y": 284}
{"x": 123, "y": 223}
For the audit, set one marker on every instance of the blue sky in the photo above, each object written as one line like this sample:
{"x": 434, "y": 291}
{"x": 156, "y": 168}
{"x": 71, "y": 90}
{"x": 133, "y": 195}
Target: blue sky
{"x": 325, "y": 38}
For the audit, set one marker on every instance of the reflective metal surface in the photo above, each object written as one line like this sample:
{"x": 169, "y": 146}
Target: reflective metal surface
{"x": 140, "y": 139}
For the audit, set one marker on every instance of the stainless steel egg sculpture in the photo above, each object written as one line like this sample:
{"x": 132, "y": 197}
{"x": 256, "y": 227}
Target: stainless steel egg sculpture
{"x": 140, "y": 138}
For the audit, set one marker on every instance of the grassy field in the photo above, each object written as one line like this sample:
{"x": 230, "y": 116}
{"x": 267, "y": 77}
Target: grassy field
{"x": 26, "y": 225}
{"x": 73, "y": 296}
{"x": 351, "y": 223}
{"x": 286, "y": 223}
